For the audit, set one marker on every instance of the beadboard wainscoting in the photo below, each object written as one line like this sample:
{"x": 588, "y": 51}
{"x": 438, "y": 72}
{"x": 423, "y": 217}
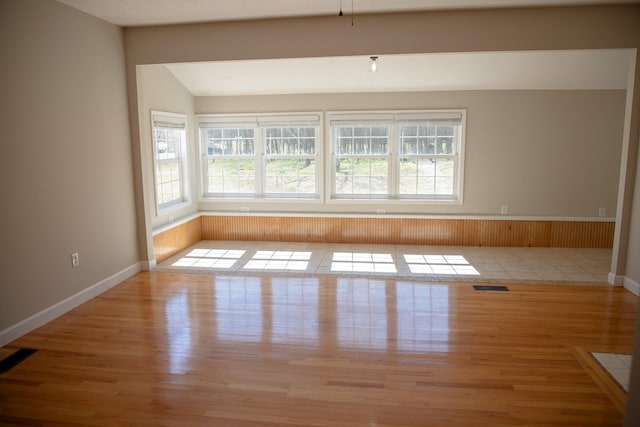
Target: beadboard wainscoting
{"x": 384, "y": 230}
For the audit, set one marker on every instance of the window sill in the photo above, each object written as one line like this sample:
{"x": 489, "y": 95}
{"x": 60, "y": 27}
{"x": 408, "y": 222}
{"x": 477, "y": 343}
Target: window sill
{"x": 395, "y": 201}
{"x": 167, "y": 210}
{"x": 239, "y": 199}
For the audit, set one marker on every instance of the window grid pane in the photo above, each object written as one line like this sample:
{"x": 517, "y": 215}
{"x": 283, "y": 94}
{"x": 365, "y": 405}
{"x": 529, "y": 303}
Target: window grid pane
{"x": 231, "y": 164}
{"x": 168, "y": 176}
{"x": 362, "y": 176}
{"x": 428, "y": 139}
{"x": 290, "y": 141}
{"x": 426, "y": 175}
{"x": 231, "y": 175}
{"x": 362, "y": 161}
{"x": 362, "y": 140}
{"x": 230, "y": 142}
{"x": 290, "y": 160}
{"x": 291, "y": 176}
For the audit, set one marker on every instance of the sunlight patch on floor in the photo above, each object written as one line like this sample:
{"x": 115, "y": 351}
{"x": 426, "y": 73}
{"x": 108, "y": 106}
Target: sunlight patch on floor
{"x": 279, "y": 260}
{"x": 210, "y": 258}
{"x": 440, "y": 264}
{"x": 362, "y": 262}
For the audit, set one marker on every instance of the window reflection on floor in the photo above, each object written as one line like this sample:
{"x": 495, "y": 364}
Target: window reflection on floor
{"x": 440, "y": 265}
{"x": 363, "y": 262}
{"x": 238, "y": 308}
{"x": 361, "y": 313}
{"x": 210, "y": 258}
{"x": 423, "y": 317}
{"x": 366, "y": 314}
{"x": 179, "y": 332}
{"x": 294, "y": 310}
{"x": 279, "y": 260}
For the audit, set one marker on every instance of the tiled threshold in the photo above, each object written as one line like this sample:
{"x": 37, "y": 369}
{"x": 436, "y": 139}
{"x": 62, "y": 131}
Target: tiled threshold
{"x": 618, "y": 366}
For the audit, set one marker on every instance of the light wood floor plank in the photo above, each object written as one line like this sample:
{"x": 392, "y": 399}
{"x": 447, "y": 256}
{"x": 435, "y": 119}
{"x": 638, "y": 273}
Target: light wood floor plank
{"x": 187, "y": 349}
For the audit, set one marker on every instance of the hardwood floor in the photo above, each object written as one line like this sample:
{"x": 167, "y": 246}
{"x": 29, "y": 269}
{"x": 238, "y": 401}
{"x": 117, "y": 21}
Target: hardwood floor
{"x": 188, "y": 349}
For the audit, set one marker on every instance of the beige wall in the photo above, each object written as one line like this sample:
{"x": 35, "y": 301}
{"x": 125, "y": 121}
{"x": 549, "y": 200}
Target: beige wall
{"x": 158, "y": 90}
{"x": 542, "y": 153}
{"x": 66, "y": 156}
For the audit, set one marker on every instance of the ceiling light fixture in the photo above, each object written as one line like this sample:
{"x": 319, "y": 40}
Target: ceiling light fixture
{"x": 373, "y": 64}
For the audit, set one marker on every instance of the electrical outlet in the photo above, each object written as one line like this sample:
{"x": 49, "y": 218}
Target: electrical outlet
{"x": 504, "y": 209}
{"x": 244, "y": 209}
{"x": 75, "y": 259}
{"x": 381, "y": 211}
{"x": 602, "y": 212}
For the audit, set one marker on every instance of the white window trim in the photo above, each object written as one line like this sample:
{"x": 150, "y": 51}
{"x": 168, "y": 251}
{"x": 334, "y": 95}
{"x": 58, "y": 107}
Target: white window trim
{"x": 396, "y": 117}
{"x": 258, "y": 122}
{"x": 180, "y": 120}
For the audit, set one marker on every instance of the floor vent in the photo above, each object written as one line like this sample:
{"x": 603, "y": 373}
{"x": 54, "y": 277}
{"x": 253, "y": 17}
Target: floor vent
{"x": 490, "y": 288}
{"x": 15, "y": 358}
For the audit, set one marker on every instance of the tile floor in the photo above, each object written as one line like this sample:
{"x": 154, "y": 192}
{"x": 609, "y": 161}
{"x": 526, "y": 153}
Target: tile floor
{"x": 434, "y": 263}
{"x": 618, "y": 366}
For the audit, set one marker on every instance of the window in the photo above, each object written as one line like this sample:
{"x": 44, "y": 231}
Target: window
{"x": 397, "y": 155}
{"x": 427, "y": 159}
{"x": 261, "y": 156}
{"x": 362, "y": 159}
{"x": 169, "y": 146}
{"x": 290, "y": 160}
{"x": 231, "y": 162}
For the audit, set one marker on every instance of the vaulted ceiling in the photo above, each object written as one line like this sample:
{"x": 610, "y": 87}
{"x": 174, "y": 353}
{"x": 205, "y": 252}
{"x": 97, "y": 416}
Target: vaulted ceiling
{"x": 583, "y": 69}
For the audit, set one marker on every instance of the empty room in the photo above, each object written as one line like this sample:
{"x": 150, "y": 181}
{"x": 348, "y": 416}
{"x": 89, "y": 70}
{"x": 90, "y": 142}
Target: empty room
{"x": 320, "y": 213}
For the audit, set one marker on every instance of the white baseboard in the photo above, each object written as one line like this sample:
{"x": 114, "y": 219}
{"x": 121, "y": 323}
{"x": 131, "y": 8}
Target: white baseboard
{"x": 615, "y": 280}
{"x": 632, "y": 286}
{"x": 50, "y": 313}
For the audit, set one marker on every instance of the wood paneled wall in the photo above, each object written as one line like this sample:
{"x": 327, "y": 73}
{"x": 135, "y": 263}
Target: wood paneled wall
{"x": 458, "y": 232}
{"x": 175, "y": 239}
{"x": 399, "y": 231}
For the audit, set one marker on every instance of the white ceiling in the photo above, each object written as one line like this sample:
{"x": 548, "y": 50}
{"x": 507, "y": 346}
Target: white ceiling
{"x": 152, "y": 12}
{"x": 538, "y": 70}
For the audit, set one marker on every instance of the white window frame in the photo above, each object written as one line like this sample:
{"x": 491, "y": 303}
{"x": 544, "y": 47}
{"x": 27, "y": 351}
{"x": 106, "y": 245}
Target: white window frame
{"x": 224, "y": 122}
{"x": 359, "y": 121}
{"x": 395, "y": 119}
{"x": 259, "y": 123}
{"x": 168, "y": 120}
